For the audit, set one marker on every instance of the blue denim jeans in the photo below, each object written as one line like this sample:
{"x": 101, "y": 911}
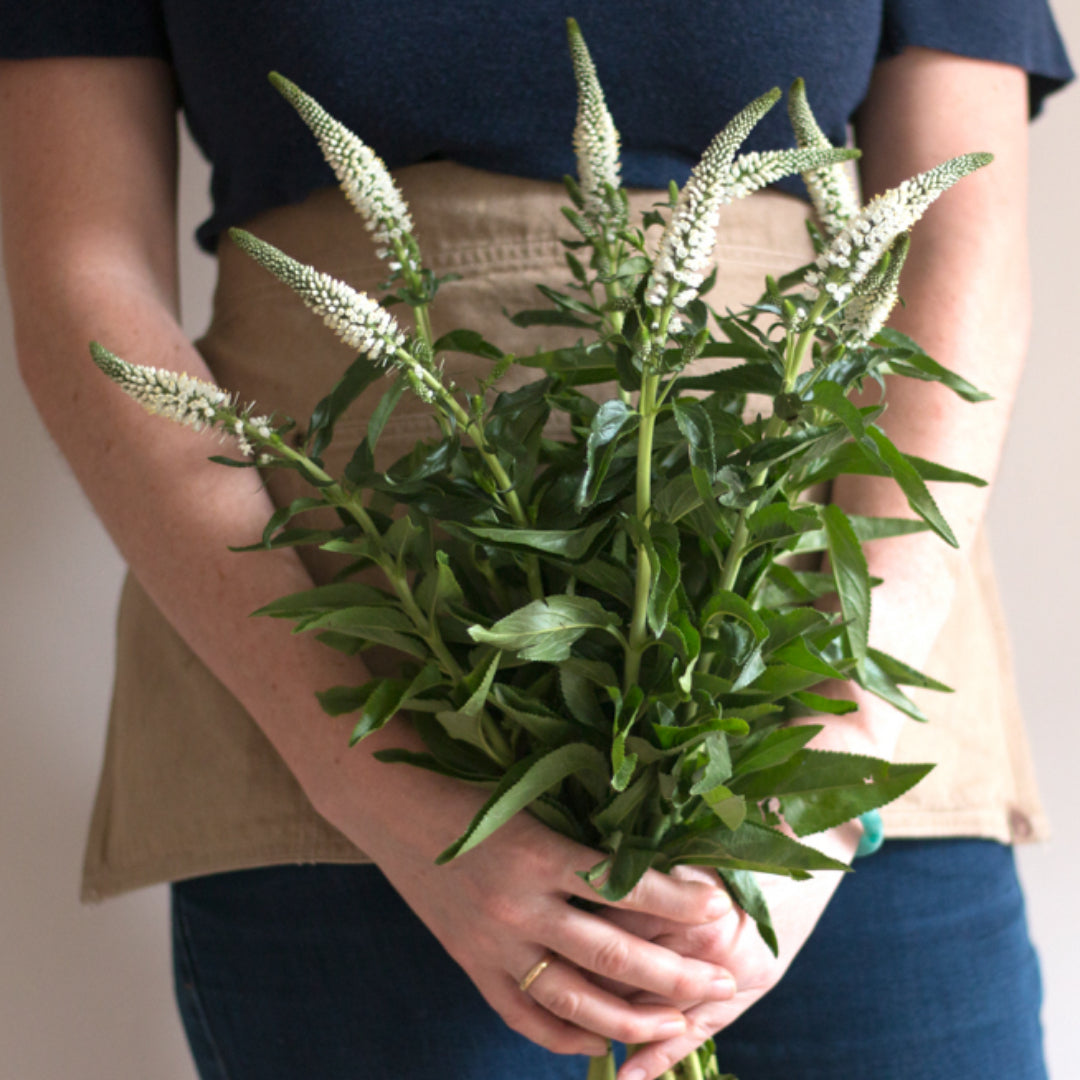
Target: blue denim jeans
{"x": 921, "y": 967}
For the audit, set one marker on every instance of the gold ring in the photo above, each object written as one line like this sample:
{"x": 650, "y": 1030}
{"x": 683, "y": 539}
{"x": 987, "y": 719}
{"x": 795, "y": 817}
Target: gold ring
{"x": 535, "y": 972}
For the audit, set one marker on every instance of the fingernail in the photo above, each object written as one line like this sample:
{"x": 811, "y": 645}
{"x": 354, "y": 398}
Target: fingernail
{"x": 634, "y": 1074}
{"x": 718, "y": 906}
{"x": 671, "y": 1027}
{"x": 723, "y": 988}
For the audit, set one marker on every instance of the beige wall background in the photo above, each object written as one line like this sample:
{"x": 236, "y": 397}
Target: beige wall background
{"x": 85, "y": 992}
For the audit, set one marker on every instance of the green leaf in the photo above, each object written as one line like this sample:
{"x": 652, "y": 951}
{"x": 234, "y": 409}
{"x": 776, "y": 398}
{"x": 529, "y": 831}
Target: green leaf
{"x": 523, "y": 782}
{"x": 779, "y": 523}
{"x": 745, "y": 379}
{"x": 730, "y": 809}
{"x": 384, "y": 410}
{"x": 545, "y": 629}
{"x": 694, "y": 424}
{"x": 875, "y": 679}
{"x": 359, "y": 375}
{"x": 573, "y": 545}
{"x": 866, "y": 529}
{"x": 381, "y": 625}
{"x": 549, "y": 317}
{"x": 534, "y": 716}
{"x": 581, "y": 698}
{"x": 852, "y": 580}
{"x": 717, "y": 769}
{"x": 468, "y": 341}
{"x": 325, "y": 598}
{"x": 746, "y": 892}
{"x": 753, "y": 847}
{"x": 619, "y": 811}
{"x": 854, "y": 459}
{"x": 633, "y": 856}
{"x": 828, "y": 788}
{"x": 905, "y": 675}
{"x": 611, "y": 419}
{"x": 919, "y": 499}
{"x": 665, "y": 580}
{"x": 820, "y": 704}
{"x": 775, "y": 748}
{"x": 391, "y": 696}
{"x": 724, "y": 602}
{"x": 909, "y": 359}
{"x": 466, "y": 723}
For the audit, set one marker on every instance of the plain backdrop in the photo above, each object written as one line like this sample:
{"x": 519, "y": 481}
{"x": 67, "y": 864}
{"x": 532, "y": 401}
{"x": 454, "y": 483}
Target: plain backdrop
{"x": 85, "y": 992}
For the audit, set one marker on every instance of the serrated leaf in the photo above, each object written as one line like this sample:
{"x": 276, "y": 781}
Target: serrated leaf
{"x": 573, "y": 545}
{"x": 919, "y": 498}
{"x": 905, "y": 675}
{"x": 875, "y": 679}
{"x": 717, "y": 769}
{"x": 611, "y": 420}
{"x": 724, "y": 602}
{"x": 848, "y": 564}
{"x": 746, "y": 892}
{"x": 546, "y": 629}
{"x": 359, "y": 375}
{"x": 523, "y": 782}
{"x": 909, "y": 359}
{"x": 468, "y": 341}
{"x": 866, "y": 529}
{"x": 633, "y": 856}
{"x": 774, "y": 749}
{"x": 753, "y": 847}
{"x": 325, "y": 598}
{"x": 829, "y": 788}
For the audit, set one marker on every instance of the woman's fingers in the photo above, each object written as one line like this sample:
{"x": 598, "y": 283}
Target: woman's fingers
{"x": 662, "y": 895}
{"x": 606, "y": 950}
{"x": 653, "y": 1060}
{"x": 523, "y": 1014}
{"x": 567, "y": 994}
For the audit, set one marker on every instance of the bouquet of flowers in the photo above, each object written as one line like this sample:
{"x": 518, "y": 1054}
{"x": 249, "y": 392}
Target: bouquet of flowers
{"x": 606, "y": 628}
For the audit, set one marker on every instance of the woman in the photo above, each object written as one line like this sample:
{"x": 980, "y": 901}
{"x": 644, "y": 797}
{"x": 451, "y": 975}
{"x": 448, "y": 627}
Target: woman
{"x": 87, "y": 160}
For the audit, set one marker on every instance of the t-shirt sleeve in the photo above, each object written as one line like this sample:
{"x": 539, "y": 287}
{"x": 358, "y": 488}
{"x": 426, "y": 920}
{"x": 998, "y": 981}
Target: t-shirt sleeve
{"x": 31, "y": 29}
{"x": 1020, "y": 32}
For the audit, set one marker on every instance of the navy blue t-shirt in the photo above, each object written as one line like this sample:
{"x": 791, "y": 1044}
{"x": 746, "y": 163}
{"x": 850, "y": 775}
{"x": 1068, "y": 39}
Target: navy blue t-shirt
{"x": 490, "y": 84}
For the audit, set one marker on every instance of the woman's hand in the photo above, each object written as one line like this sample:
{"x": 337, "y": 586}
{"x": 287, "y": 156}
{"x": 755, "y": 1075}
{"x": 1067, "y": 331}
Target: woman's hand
{"x": 505, "y": 905}
{"x": 732, "y": 940}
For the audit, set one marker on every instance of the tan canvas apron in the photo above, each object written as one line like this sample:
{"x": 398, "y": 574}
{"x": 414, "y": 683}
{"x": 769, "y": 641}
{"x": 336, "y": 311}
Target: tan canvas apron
{"x": 191, "y": 786}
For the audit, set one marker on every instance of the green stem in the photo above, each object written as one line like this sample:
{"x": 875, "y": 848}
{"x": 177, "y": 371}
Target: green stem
{"x": 737, "y": 551}
{"x": 691, "y": 1067}
{"x": 498, "y": 473}
{"x": 602, "y": 1068}
{"x": 399, "y": 582}
{"x": 643, "y": 504}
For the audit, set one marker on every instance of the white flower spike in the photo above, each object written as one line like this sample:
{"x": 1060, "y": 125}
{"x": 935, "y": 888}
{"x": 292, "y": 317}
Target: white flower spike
{"x": 189, "y": 401}
{"x": 363, "y": 175}
{"x": 831, "y": 190}
{"x": 874, "y": 298}
{"x": 686, "y": 246}
{"x": 860, "y": 244}
{"x": 357, "y": 319}
{"x": 171, "y": 394}
{"x": 596, "y": 140}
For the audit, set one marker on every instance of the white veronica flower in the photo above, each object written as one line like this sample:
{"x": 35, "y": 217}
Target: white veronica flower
{"x": 363, "y": 175}
{"x": 171, "y": 394}
{"x": 357, "y": 319}
{"x": 860, "y": 244}
{"x": 596, "y": 140}
{"x": 831, "y": 190}
{"x": 875, "y": 297}
{"x": 685, "y": 249}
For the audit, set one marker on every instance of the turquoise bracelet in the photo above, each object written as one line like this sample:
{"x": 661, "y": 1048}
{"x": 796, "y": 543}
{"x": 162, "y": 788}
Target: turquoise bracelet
{"x": 873, "y": 834}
